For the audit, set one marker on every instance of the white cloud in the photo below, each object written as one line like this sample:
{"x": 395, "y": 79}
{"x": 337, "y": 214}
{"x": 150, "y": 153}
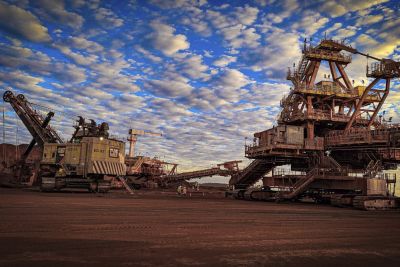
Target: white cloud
{"x": 246, "y": 15}
{"x": 368, "y": 20}
{"x": 310, "y": 23}
{"x": 239, "y": 36}
{"x": 346, "y": 32}
{"x": 80, "y": 42}
{"x": 232, "y": 79}
{"x": 22, "y": 23}
{"x": 341, "y": 7}
{"x": 333, "y": 28}
{"x": 147, "y": 54}
{"x": 192, "y": 66}
{"x": 224, "y": 61}
{"x": 170, "y": 4}
{"x": 172, "y": 85}
{"x": 107, "y": 18}
{"x": 78, "y": 58}
{"x": 198, "y": 24}
{"x": 55, "y": 11}
{"x": 164, "y": 39}
{"x": 228, "y": 85}
{"x": 281, "y": 49}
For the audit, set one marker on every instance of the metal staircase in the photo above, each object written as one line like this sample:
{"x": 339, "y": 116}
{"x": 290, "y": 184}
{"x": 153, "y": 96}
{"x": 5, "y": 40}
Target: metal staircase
{"x": 251, "y": 174}
{"x": 373, "y": 168}
{"x": 137, "y": 165}
{"x": 301, "y": 185}
{"x": 302, "y": 67}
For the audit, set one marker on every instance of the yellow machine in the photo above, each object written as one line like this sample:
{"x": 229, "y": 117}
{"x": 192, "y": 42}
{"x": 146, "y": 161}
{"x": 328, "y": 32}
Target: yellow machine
{"x": 88, "y": 160}
{"x": 85, "y": 162}
{"x": 92, "y": 159}
{"x": 93, "y": 156}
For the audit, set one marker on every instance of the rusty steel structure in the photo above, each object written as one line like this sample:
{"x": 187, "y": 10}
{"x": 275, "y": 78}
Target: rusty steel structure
{"x": 228, "y": 168}
{"x": 329, "y": 130}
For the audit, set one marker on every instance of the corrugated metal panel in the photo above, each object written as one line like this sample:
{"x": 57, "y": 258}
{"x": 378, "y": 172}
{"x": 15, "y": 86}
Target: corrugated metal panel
{"x": 107, "y": 168}
{"x": 376, "y": 187}
{"x": 294, "y": 135}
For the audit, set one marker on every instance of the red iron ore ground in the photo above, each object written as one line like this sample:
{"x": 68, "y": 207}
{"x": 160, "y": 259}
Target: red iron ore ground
{"x": 162, "y": 229}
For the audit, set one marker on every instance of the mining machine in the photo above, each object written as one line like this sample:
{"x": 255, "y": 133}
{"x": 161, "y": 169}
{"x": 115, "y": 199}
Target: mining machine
{"x": 86, "y": 161}
{"x": 330, "y": 133}
{"x": 142, "y": 171}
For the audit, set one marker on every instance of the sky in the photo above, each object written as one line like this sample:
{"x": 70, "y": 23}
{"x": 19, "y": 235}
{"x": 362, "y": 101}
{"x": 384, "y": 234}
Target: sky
{"x": 206, "y": 74}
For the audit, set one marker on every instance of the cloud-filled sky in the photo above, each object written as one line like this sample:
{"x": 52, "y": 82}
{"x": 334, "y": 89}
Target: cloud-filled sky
{"x": 206, "y": 74}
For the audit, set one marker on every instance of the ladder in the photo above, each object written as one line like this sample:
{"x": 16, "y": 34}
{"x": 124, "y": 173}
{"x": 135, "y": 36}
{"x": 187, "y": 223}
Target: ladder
{"x": 127, "y": 187}
{"x": 302, "y": 67}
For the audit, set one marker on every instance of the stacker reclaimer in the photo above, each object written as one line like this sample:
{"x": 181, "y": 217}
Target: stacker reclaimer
{"x": 330, "y": 133}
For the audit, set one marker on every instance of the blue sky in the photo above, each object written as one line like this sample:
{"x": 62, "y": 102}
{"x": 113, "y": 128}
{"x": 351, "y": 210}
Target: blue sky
{"x": 206, "y": 74}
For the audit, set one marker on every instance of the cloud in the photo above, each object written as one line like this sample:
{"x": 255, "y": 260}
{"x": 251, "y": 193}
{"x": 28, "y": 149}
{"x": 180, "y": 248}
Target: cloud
{"x": 198, "y": 24}
{"x": 170, "y": 4}
{"x": 125, "y": 102}
{"x": 346, "y": 32}
{"x": 341, "y": 7}
{"x": 78, "y": 58}
{"x": 333, "y": 28}
{"x": 19, "y": 22}
{"x": 229, "y": 83}
{"x": 54, "y": 10}
{"x": 163, "y": 39}
{"x": 224, "y": 61}
{"x": 80, "y": 42}
{"x": 281, "y": 49}
{"x": 310, "y": 23}
{"x": 240, "y": 36}
{"x": 366, "y": 40}
{"x": 173, "y": 109}
{"x": 246, "y": 15}
{"x": 172, "y": 85}
{"x": 107, "y": 18}
{"x": 232, "y": 79}
{"x": 193, "y": 67}
{"x": 147, "y": 54}
{"x": 368, "y": 20}
{"x": 38, "y": 63}
{"x": 267, "y": 94}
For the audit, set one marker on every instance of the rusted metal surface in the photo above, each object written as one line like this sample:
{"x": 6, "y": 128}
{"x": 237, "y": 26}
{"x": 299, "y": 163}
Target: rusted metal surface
{"x": 228, "y": 168}
{"x": 344, "y": 141}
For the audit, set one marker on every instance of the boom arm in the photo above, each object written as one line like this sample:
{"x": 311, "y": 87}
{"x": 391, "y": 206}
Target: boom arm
{"x": 35, "y": 123}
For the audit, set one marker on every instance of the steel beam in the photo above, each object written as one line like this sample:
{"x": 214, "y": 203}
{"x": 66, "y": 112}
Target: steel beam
{"x": 360, "y": 103}
{"x": 386, "y": 93}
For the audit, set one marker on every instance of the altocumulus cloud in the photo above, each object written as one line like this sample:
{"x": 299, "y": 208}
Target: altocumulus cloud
{"x": 21, "y": 23}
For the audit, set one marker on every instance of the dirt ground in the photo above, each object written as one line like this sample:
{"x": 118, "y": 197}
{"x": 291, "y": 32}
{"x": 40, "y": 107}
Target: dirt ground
{"x": 162, "y": 229}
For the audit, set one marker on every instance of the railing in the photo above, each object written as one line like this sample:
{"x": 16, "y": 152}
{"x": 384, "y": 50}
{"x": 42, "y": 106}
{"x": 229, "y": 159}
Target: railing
{"x": 384, "y": 69}
{"x": 285, "y": 172}
{"x": 326, "y": 54}
{"x": 328, "y": 89}
{"x": 361, "y": 135}
{"x": 316, "y": 143}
